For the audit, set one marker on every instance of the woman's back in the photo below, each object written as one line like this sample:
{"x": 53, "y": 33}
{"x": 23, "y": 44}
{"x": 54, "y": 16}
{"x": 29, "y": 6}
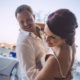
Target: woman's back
{"x": 65, "y": 60}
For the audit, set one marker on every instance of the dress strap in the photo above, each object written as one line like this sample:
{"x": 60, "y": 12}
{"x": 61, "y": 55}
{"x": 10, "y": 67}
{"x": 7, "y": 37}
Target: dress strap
{"x": 59, "y": 66}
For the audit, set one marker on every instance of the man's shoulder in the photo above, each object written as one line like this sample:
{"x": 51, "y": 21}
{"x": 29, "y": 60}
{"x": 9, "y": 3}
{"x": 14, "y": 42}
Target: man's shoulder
{"x": 23, "y": 40}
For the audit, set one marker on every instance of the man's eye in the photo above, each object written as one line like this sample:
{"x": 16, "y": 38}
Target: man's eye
{"x": 29, "y": 20}
{"x": 21, "y": 22}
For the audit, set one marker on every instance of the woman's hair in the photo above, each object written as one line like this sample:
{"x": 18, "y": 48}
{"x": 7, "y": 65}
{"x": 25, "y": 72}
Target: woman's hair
{"x": 63, "y": 23}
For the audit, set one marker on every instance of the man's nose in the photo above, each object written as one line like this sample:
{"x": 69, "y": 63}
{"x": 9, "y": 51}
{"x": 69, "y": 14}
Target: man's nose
{"x": 25, "y": 24}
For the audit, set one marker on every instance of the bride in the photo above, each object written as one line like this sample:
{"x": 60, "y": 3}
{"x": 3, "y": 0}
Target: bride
{"x": 59, "y": 33}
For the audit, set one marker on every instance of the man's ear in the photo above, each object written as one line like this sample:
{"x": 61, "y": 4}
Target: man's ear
{"x": 34, "y": 16}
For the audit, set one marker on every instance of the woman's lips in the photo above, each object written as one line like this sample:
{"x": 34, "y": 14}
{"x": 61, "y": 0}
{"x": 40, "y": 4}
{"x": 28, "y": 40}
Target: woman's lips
{"x": 49, "y": 43}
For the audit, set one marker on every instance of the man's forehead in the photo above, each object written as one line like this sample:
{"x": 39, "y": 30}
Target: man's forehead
{"x": 24, "y": 14}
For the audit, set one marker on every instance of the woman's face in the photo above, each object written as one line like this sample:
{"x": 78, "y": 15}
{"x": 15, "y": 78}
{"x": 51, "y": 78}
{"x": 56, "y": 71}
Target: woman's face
{"x": 52, "y": 39}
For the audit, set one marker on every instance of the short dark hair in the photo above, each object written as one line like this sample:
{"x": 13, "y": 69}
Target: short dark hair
{"x": 63, "y": 23}
{"x": 23, "y": 8}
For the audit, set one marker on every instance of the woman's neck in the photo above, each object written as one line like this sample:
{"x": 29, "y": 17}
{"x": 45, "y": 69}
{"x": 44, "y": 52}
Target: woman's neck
{"x": 56, "y": 49}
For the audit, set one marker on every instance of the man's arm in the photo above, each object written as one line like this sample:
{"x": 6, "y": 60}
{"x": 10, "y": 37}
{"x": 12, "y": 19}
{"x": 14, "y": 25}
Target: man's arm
{"x": 26, "y": 55}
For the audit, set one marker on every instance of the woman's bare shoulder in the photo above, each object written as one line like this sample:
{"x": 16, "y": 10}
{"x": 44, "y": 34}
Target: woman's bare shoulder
{"x": 65, "y": 58}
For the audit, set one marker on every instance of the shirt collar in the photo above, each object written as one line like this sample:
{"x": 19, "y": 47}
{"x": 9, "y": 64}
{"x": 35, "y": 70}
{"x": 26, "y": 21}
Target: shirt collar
{"x": 40, "y": 31}
{"x": 25, "y": 32}
{"x": 32, "y": 34}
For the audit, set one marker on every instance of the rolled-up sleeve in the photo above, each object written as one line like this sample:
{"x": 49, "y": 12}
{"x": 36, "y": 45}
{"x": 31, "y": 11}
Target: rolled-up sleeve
{"x": 26, "y": 56}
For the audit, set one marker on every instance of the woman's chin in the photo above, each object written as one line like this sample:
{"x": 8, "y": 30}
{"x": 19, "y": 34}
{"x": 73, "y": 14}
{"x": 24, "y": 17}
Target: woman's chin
{"x": 50, "y": 45}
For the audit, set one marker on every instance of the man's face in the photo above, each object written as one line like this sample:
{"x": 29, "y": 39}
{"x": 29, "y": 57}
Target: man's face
{"x": 26, "y": 21}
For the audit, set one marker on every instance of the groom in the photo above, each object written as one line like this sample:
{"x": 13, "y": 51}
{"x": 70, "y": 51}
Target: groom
{"x": 30, "y": 47}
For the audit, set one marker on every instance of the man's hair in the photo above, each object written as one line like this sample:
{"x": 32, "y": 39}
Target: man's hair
{"x": 23, "y": 8}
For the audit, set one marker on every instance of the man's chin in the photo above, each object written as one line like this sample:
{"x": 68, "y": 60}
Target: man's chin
{"x": 28, "y": 30}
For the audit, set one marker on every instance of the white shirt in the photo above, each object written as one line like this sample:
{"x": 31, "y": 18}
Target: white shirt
{"x": 29, "y": 50}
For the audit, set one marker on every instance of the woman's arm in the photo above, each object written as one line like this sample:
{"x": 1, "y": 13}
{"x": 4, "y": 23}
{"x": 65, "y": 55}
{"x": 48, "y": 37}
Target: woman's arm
{"x": 49, "y": 71}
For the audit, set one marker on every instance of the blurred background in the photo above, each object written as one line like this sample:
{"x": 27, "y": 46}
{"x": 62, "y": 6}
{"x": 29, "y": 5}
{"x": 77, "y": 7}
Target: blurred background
{"x": 9, "y": 27}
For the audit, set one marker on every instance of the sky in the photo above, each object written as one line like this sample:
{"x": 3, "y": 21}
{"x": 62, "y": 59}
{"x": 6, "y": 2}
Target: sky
{"x": 9, "y": 27}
